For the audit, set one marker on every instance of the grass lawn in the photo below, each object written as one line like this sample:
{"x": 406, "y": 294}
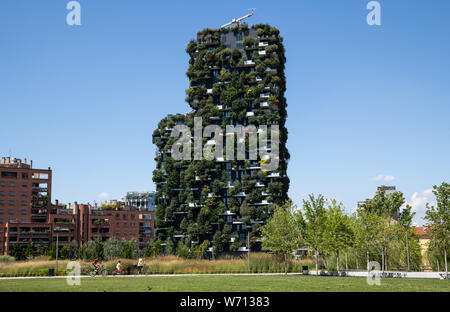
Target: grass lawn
{"x": 225, "y": 283}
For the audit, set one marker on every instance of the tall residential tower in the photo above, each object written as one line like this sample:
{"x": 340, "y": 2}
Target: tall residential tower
{"x": 236, "y": 78}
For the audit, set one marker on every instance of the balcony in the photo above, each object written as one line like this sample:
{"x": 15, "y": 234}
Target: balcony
{"x": 265, "y": 104}
{"x": 39, "y": 215}
{"x": 263, "y": 44}
{"x": 263, "y": 52}
{"x": 209, "y": 91}
{"x": 249, "y": 62}
{"x": 250, "y": 114}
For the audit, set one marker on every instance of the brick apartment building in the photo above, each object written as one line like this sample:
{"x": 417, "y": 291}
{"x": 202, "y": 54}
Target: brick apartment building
{"x": 27, "y": 215}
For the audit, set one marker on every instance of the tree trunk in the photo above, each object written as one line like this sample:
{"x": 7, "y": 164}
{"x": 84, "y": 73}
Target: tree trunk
{"x": 407, "y": 250}
{"x": 445, "y": 262}
{"x": 367, "y": 255}
{"x": 357, "y": 260}
{"x": 337, "y": 260}
{"x": 382, "y": 259}
{"x": 346, "y": 262}
{"x": 437, "y": 261}
{"x": 285, "y": 264}
{"x": 317, "y": 263}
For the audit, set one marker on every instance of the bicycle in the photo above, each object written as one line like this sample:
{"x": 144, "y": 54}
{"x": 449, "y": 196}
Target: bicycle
{"x": 100, "y": 270}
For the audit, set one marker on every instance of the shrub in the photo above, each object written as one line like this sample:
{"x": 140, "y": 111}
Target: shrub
{"x": 7, "y": 259}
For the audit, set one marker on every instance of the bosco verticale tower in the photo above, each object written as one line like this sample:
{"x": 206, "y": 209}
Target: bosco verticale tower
{"x": 236, "y": 77}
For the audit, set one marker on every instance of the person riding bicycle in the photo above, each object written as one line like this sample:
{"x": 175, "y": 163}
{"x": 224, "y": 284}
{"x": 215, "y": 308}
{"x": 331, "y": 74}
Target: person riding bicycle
{"x": 140, "y": 265}
{"x": 96, "y": 265}
{"x": 118, "y": 268}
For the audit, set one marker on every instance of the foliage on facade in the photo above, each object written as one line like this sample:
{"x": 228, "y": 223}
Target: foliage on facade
{"x": 221, "y": 201}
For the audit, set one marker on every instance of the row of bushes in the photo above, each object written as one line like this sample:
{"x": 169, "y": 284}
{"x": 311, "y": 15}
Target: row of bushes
{"x": 259, "y": 263}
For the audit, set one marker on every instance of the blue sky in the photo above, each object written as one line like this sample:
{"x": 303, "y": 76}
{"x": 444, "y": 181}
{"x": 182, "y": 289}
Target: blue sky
{"x": 368, "y": 105}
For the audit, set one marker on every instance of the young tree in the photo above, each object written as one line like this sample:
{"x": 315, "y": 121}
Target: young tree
{"x": 315, "y": 215}
{"x": 182, "y": 251}
{"x": 29, "y": 252}
{"x": 112, "y": 249}
{"x": 130, "y": 249}
{"x": 64, "y": 252}
{"x": 281, "y": 233}
{"x": 439, "y": 218}
{"x": 149, "y": 250}
{"x": 157, "y": 248}
{"x": 386, "y": 206}
{"x": 170, "y": 247}
{"x": 51, "y": 252}
{"x": 338, "y": 231}
{"x": 17, "y": 252}
{"x": 92, "y": 250}
{"x": 405, "y": 219}
{"x": 73, "y": 250}
{"x": 369, "y": 226}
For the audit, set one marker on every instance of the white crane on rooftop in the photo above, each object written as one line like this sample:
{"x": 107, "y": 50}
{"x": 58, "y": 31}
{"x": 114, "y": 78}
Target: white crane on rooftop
{"x": 236, "y": 21}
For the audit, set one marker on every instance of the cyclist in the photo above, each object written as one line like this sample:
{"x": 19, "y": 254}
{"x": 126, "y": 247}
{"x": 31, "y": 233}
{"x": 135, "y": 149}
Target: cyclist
{"x": 118, "y": 268}
{"x": 140, "y": 265}
{"x": 96, "y": 266}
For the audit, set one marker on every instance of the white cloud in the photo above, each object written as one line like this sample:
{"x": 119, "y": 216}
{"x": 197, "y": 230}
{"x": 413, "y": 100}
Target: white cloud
{"x": 382, "y": 177}
{"x": 420, "y": 199}
{"x": 103, "y": 195}
{"x": 418, "y": 203}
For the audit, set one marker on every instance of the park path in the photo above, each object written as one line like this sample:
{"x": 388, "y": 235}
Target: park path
{"x": 150, "y": 275}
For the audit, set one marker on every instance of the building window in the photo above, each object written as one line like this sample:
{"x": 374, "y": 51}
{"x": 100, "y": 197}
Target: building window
{"x": 2, "y": 202}
{"x": 125, "y": 232}
{"x": 10, "y": 211}
{"x": 12, "y": 184}
{"x": 24, "y": 193}
{"x": 24, "y": 184}
{"x": 1, "y": 212}
{"x": 239, "y": 45}
{"x": 11, "y": 193}
{"x": 239, "y": 37}
{"x": 2, "y": 193}
{"x": 24, "y": 175}
{"x": 2, "y": 183}
{"x": 224, "y": 38}
{"x": 11, "y": 203}
{"x": 24, "y": 212}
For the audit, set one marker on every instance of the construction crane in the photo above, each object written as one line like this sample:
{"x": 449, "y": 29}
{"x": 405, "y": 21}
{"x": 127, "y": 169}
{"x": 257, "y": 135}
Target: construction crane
{"x": 236, "y": 21}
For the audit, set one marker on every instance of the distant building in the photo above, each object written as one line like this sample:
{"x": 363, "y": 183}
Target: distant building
{"x": 25, "y": 200}
{"x": 141, "y": 200}
{"x": 27, "y": 216}
{"x": 424, "y": 241}
{"x": 388, "y": 190}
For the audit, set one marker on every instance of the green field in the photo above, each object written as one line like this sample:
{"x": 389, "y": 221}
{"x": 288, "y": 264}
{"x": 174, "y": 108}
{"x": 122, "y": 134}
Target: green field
{"x": 279, "y": 283}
